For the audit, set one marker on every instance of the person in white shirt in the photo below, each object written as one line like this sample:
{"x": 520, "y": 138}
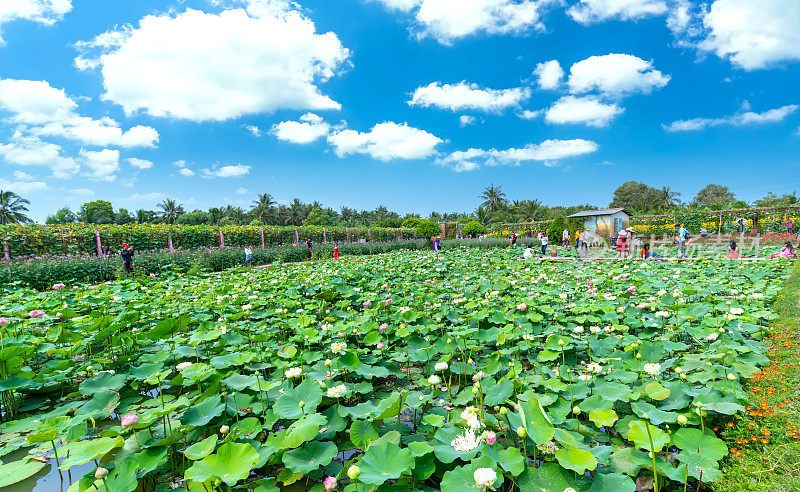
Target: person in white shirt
{"x": 248, "y": 255}
{"x": 528, "y": 253}
{"x": 565, "y": 238}
{"x": 543, "y": 237}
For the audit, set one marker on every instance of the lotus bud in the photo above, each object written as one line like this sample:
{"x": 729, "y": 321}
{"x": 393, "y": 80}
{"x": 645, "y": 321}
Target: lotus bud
{"x": 683, "y": 376}
{"x": 731, "y": 377}
{"x": 682, "y": 419}
{"x": 330, "y": 483}
{"x": 301, "y": 404}
{"x": 576, "y": 410}
{"x": 328, "y": 362}
{"x": 560, "y": 343}
{"x": 129, "y": 421}
{"x": 353, "y": 472}
{"x": 100, "y": 473}
{"x": 522, "y": 432}
{"x": 678, "y": 370}
{"x": 224, "y": 430}
{"x": 475, "y": 390}
{"x": 503, "y": 410}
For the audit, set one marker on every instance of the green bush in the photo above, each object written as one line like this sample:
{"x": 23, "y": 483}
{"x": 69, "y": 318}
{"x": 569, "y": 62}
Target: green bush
{"x": 473, "y": 229}
{"x": 427, "y": 229}
{"x": 556, "y": 229}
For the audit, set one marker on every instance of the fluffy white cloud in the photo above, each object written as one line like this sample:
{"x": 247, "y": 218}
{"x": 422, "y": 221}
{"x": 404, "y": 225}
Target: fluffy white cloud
{"x": 242, "y": 191}
{"x": 309, "y": 128}
{"x": 385, "y": 142}
{"x": 743, "y": 118}
{"x": 140, "y": 163}
{"x": 186, "y": 172}
{"x": 46, "y": 12}
{"x": 254, "y": 130}
{"x": 103, "y": 163}
{"x": 548, "y": 152}
{"x": 465, "y": 120}
{"x": 591, "y": 11}
{"x": 236, "y": 171}
{"x": 205, "y": 66}
{"x": 753, "y": 35}
{"x": 43, "y": 110}
{"x": 549, "y": 74}
{"x": 22, "y": 186}
{"x": 449, "y": 20}
{"x": 588, "y": 109}
{"x": 26, "y": 150}
{"x": 461, "y": 96}
{"x": 615, "y": 74}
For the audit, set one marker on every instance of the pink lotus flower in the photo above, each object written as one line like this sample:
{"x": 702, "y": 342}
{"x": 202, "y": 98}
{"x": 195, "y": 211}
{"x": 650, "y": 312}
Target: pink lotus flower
{"x": 632, "y": 288}
{"x": 153, "y": 275}
{"x": 388, "y": 302}
{"x": 367, "y": 304}
{"x": 712, "y": 337}
{"x": 58, "y": 286}
{"x": 380, "y": 345}
{"x": 129, "y": 421}
{"x": 593, "y": 290}
{"x": 489, "y": 436}
{"x": 478, "y": 376}
{"x": 590, "y": 282}
{"x": 643, "y": 305}
{"x": 4, "y": 322}
{"x": 522, "y": 306}
{"x": 384, "y": 286}
{"x": 531, "y": 294}
{"x": 383, "y": 327}
{"x": 330, "y": 483}
{"x": 36, "y": 313}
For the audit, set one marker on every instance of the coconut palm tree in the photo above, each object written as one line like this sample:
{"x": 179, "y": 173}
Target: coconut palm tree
{"x": 170, "y": 210}
{"x": 12, "y": 207}
{"x": 493, "y": 198}
{"x": 528, "y": 210}
{"x": 263, "y": 205}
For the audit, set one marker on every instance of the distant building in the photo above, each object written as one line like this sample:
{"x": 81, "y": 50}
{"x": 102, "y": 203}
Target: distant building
{"x": 606, "y": 222}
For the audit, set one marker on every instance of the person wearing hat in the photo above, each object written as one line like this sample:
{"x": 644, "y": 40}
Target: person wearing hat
{"x": 127, "y": 257}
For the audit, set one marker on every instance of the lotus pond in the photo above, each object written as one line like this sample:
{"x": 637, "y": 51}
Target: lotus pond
{"x": 468, "y": 370}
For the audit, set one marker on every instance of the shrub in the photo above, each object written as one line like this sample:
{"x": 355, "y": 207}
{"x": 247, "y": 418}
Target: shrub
{"x": 427, "y": 229}
{"x": 473, "y": 229}
{"x": 556, "y": 229}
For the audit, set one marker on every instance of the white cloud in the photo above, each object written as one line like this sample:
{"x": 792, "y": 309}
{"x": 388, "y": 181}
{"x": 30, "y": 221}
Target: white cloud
{"x": 588, "y": 109}
{"x": 242, "y": 191}
{"x": 22, "y": 186}
{"x": 26, "y": 150}
{"x": 743, "y": 118}
{"x": 549, "y": 74}
{"x": 84, "y": 192}
{"x": 549, "y": 152}
{"x": 43, "y": 110}
{"x": 185, "y": 171}
{"x": 204, "y": 66}
{"x": 449, "y": 20}
{"x": 103, "y": 163}
{"x": 753, "y": 35}
{"x": 236, "y": 171}
{"x": 465, "y": 120}
{"x": 615, "y": 74}
{"x": 140, "y": 163}
{"x": 254, "y": 130}
{"x": 592, "y": 11}
{"x": 529, "y": 114}
{"x": 385, "y": 142}
{"x": 46, "y": 12}
{"x": 309, "y": 128}
{"x": 461, "y": 96}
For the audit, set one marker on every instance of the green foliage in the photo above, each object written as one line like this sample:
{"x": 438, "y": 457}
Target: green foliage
{"x": 427, "y": 229}
{"x": 61, "y": 217}
{"x": 714, "y": 196}
{"x": 556, "y": 229}
{"x": 318, "y": 218}
{"x": 96, "y": 212}
{"x": 474, "y": 228}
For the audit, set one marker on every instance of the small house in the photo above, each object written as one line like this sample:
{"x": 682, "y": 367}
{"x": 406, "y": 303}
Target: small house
{"x": 606, "y": 222}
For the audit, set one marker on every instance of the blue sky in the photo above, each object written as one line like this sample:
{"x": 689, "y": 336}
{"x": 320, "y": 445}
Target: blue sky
{"x": 413, "y": 104}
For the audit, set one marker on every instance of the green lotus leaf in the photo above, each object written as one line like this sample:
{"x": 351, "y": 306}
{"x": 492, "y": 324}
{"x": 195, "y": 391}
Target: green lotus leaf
{"x": 576, "y": 459}
{"x": 549, "y": 477}
{"x": 612, "y": 482}
{"x": 707, "y": 443}
{"x": 17, "y": 471}
{"x": 310, "y": 457}
{"x": 202, "y": 413}
{"x": 383, "y": 462}
{"x": 103, "y": 381}
{"x": 535, "y": 421}
{"x": 49, "y": 430}
{"x": 499, "y": 393}
{"x": 462, "y": 478}
{"x": 231, "y": 463}
{"x": 638, "y": 433}
{"x": 303, "y": 430}
{"x": 362, "y": 433}
{"x": 201, "y": 449}
{"x": 288, "y": 405}
{"x": 656, "y": 391}
{"x": 603, "y": 418}
{"x": 91, "y": 449}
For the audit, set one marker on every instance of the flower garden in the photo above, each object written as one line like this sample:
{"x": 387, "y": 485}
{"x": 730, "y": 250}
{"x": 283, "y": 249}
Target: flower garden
{"x": 460, "y": 371}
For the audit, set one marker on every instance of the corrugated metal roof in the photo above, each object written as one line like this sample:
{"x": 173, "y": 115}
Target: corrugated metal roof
{"x": 602, "y": 211}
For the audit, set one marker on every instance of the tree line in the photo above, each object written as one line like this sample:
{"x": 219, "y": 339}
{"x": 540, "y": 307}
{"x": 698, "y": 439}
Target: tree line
{"x": 494, "y": 207}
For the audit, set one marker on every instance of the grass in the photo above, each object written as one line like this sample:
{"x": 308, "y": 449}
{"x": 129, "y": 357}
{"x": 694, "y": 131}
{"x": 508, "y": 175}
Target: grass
{"x": 765, "y": 442}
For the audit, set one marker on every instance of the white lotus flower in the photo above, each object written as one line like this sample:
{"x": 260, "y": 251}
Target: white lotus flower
{"x": 183, "y": 365}
{"x": 484, "y": 477}
{"x": 441, "y": 366}
{"x": 737, "y": 311}
{"x": 337, "y": 391}
{"x": 470, "y": 416}
{"x": 294, "y": 372}
{"x": 338, "y": 348}
{"x": 662, "y": 314}
{"x": 466, "y": 442}
{"x": 652, "y": 369}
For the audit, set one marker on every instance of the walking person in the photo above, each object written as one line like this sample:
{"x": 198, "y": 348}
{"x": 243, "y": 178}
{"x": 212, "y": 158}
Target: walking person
{"x": 622, "y": 244}
{"x": 308, "y": 244}
{"x": 513, "y": 239}
{"x": 680, "y": 240}
{"x": 578, "y": 234}
{"x": 127, "y": 257}
{"x": 544, "y": 239}
{"x": 248, "y": 255}
{"x": 336, "y": 252}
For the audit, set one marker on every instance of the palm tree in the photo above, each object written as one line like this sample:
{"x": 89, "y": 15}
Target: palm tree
{"x": 170, "y": 210}
{"x": 12, "y": 207}
{"x": 494, "y": 198}
{"x": 262, "y": 205}
{"x": 528, "y": 210}
{"x": 482, "y": 215}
